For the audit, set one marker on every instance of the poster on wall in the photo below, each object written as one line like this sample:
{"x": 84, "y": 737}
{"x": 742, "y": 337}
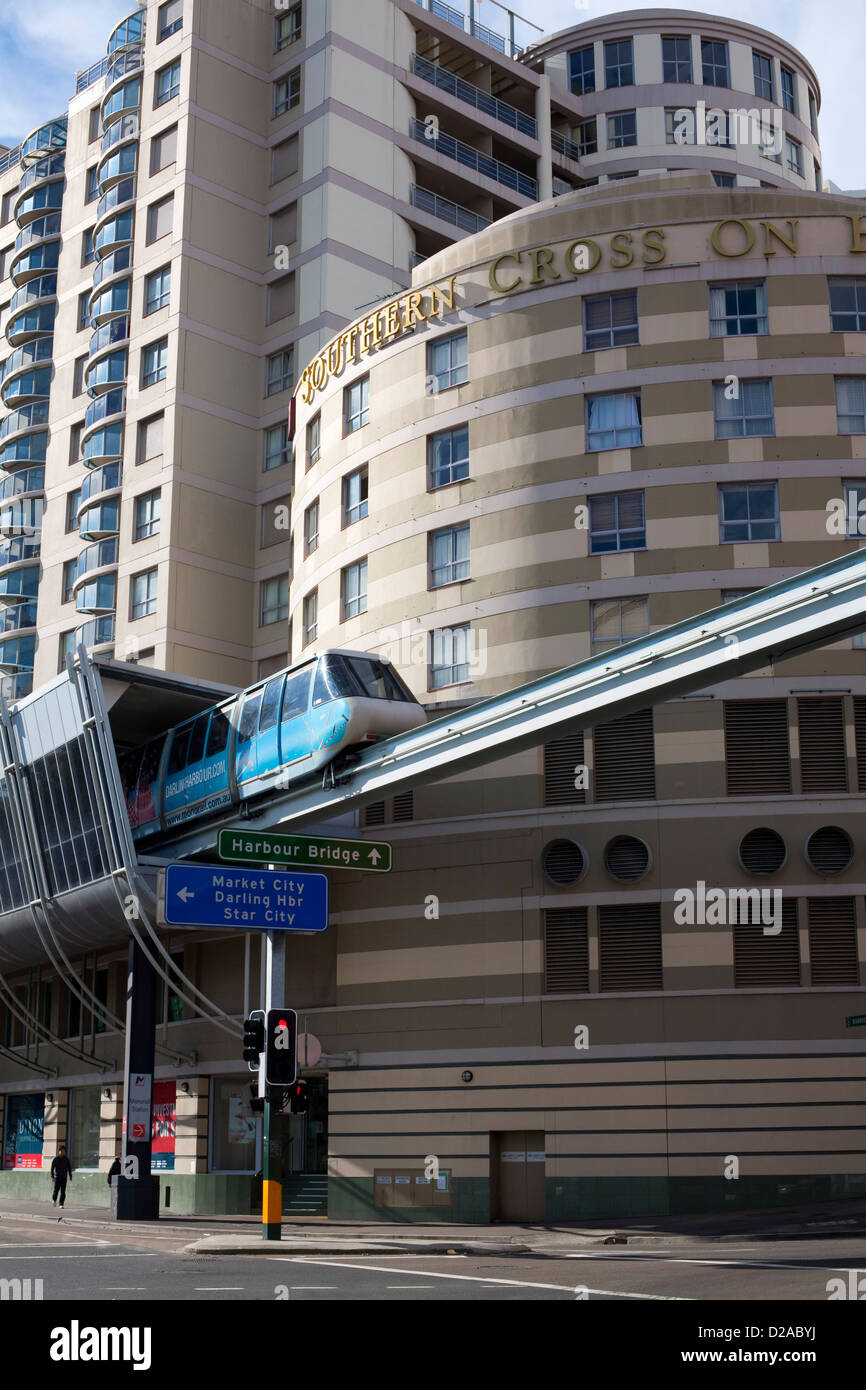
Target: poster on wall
{"x": 242, "y": 1125}
{"x": 23, "y": 1140}
{"x": 163, "y": 1126}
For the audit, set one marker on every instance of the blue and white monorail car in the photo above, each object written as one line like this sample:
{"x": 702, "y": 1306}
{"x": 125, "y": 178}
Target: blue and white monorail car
{"x": 283, "y": 730}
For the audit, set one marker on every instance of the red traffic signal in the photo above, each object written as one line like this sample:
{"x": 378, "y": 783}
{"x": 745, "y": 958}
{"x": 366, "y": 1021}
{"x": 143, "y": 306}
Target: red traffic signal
{"x": 300, "y": 1098}
{"x": 281, "y": 1040}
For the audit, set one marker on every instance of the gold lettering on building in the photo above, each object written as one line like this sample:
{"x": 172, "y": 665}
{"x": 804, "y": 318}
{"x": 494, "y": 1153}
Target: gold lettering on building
{"x": 857, "y": 230}
{"x": 495, "y": 283}
{"x": 621, "y": 253}
{"x": 748, "y": 234}
{"x": 542, "y": 264}
{"x": 771, "y": 230}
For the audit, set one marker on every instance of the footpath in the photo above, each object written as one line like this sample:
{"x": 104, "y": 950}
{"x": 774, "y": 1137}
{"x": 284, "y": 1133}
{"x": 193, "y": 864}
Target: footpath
{"x": 241, "y": 1235}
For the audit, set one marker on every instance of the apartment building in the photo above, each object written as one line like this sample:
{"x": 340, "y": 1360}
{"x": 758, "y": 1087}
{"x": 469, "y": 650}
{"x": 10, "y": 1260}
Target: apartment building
{"x": 566, "y": 350}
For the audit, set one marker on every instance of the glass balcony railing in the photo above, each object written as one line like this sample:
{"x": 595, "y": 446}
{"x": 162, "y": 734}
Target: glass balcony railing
{"x": 29, "y": 480}
{"x": 129, "y": 31}
{"x": 34, "y": 261}
{"x": 102, "y": 519}
{"x": 47, "y": 197}
{"x": 19, "y": 550}
{"x": 18, "y": 655}
{"x": 117, "y": 231}
{"x": 26, "y": 448}
{"x": 97, "y": 556}
{"x": 43, "y": 141}
{"x": 89, "y": 76}
{"x": 127, "y": 128}
{"x": 490, "y": 37}
{"x": 19, "y": 586}
{"x": 101, "y": 480}
{"x": 28, "y": 356}
{"x": 14, "y": 688}
{"x": 17, "y": 618}
{"x": 111, "y": 403}
{"x": 103, "y": 445}
{"x": 111, "y": 303}
{"x": 30, "y": 323}
{"x": 120, "y": 164}
{"x": 41, "y": 230}
{"x": 447, "y": 211}
{"x": 44, "y": 288}
{"x": 124, "y": 98}
{"x": 474, "y": 96}
{"x": 50, "y": 167}
{"x": 21, "y": 517}
{"x": 27, "y": 386}
{"x": 10, "y": 158}
{"x": 114, "y": 264}
{"x": 473, "y": 159}
{"x": 123, "y": 192}
{"x": 105, "y": 372}
{"x": 115, "y": 331}
{"x": 98, "y": 633}
{"x": 27, "y": 418}
{"x": 97, "y": 595}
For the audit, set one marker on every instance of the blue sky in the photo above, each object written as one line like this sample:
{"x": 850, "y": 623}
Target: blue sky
{"x": 43, "y": 42}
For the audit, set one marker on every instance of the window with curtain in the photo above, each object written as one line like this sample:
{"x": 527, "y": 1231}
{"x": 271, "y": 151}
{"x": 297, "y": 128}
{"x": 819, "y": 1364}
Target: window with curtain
{"x": 617, "y": 522}
{"x": 749, "y": 412}
{"x": 851, "y": 404}
{"x": 613, "y": 422}
{"x": 449, "y": 556}
{"x": 610, "y": 320}
{"x": 738, "y": 309}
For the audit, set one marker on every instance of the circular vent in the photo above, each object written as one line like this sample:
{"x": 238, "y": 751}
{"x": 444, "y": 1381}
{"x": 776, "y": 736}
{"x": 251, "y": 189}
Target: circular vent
{"x": 563, "y": 861}
{"x": 830, "y": 849}
{"x": 627, "y": 858}
{"x": 762, "y": 851}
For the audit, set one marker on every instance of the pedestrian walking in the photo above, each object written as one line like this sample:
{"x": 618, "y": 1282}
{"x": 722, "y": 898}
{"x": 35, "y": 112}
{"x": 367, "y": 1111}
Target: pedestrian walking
{"x": 61, "y": 1172}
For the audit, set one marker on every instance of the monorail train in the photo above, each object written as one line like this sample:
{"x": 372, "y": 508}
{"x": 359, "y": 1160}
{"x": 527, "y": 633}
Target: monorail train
{"x": 283, "y": 730}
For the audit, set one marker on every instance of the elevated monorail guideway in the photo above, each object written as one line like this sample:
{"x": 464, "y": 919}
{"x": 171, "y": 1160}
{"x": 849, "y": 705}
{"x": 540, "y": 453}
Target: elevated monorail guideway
{"x": 766, "y": 627}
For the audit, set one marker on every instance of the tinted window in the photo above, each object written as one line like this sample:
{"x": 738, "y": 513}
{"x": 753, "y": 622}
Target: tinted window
{"x": 333, "y": 680}
{"x": 250, "y": 716}
{"x": 179, "y": 747}
{"x": 197, "y": 738}
{"x": 218, "y": 737}
{"x": 297, "y": 694}
{"x": 271, "y": 705}
{"x": 150, "y": 762}
{"x": 378, "y": 681}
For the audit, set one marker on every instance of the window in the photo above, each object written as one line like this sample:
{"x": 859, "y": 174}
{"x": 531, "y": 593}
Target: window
{"x": 679, "y": 125}
{"x": 677, "y": 59}
{"x": 5, "y": 257}
{"x": 616, "y": 522}
{"x": 66, "y": 648}
{"x": 6, "y": 207}
{"x": 169, "y": 19}
{"x": 613, "y": 422}
{"x": 277, "y": 446}
{"x": 619, "y": 63}
{"x": 284, "y": 159}
{"x": 88, "y": 255}
{"x": 311, "y": 617}
{"x": 449, "y": 656}
{"x": 83, "y": 311}
{"x": 167, "y": 83}
{"x": 94, "y": 129}
{"x": 355, "y": 502}
{"x": 448, "y": 361}
{"x": 70, "y": 570}
{"x": 610, "y": 320}
{"x": 762, "y": 67}
{"x": 281, "y": 298}
{"x": 356, "y": 405}
{"x": 851, "y": 404}
{"x": 287, "y": 28}
{"x": 314, "y": 440}
{"x": 448, "y": 456}
{"x": 813, "y": 114}
{"x": 714, "y": 60}
{"x": 311, "y": 528}
{"x": 621, "y": 130}
{"x": 91, "y": 192}
{"x": 274, "y": 517}
{"x": 353, "y": 590}
{"x": 794, "y": 155}
{"x": 75, "y": 443}
{"x": 789, "y": 91}
{"x": 449, "y": 556}
{"x": 283, "y": 227}
{"x": 749, "y": 412}
{"x": 150, "y": 433}
{"x": 848, "y": 305}
{"x": 159, "y": 219}
{"x": 738, "y": 309}
{"x": 73, "y": 500}
{"x": 281, "y": 371}
{"x": 142, "y": 594}
{"x": 274, "y": 603}
{"x": 617, "y": 620}
{"x": 748, "y": 512}
{"x": 581, "y": 70}
{"x": 154, "y": 362}
{"x": 287, "y": 93}
{"x": 587, "y": 137}
{"x": 78, "y": 369}
{"x": 157, "y": 290}
{"x": 147, "y": 509}
{"x": 163, "y": 150}
{"x": 725, "y": 180}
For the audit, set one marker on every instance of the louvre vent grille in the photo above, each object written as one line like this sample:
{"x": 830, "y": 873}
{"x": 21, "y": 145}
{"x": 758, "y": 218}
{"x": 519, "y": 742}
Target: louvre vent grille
{"x": 823, "y": 762}
{"x": 830, "y": 849}
{"x": 561, "y": 761}
{"x": 630, "y": 947}
{"x": 757, "y": 752}
{"x": 625, "y": 759}
{"x": 771, "y": 961}
{"x": 833, "y": 941}
{"x": 563, "y": 861}
{"x": 626, "y": 858}
{"x": 374, "y": 814}
{"x": 762, "y": 851}
{"x": 404, "y": 806}
{"x": 566, "y": 951}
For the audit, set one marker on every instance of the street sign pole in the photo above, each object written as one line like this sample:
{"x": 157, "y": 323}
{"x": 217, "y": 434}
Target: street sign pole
{"x": 272, "y": 1177}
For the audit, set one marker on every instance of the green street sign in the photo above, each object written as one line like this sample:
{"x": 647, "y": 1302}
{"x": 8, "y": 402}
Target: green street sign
{"x": 304, "y": 851}
{"x": 855, "y": 1021}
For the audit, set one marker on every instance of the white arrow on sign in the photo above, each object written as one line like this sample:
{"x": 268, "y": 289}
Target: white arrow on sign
{"x": 184, "y": 894}
{"x": 375, "y": 856}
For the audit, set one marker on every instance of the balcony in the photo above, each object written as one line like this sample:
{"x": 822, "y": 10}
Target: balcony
{"x": 105, "y": 445}
{"x": 129, "y": 31}
{"x": 112, "y": 403}
{"x": 114, "y": 264}
{"x": 123, "y": 192}
{"x": 21, "y": 518}
{"x": 24, "y": 448}
{"x": 562, "y": 145}
{"x": 28, "y": 324}
{"x": 10, "y": 158}
{"x": 97, "y": 633}
{"x": 99, "y": 556}
{"x": 89, "y": 76}
{"x": 474, "y": 96}
{"x": 117, "y": 134}
{"x": 17, "y": 656}
{"x": 48, "y": 168}
{"x": 118, "y": 231}
{"x": 34, "y": 202}
{"x": 29, "y": 417}
{"x": 115, "y": 331}
{"x": 17, "y": 687}
{"x": 33, "y": 262}
{"x": 30, "y": 482}
{"x": 446, "y": 211}
{"x": 106, "y": 372}
{"x": 498, "y": 42}
{"x": 33, "y": 292}
{"x": 19, "y": 617}
{"x": 43, "y": 229}
{"x": 97, "y": 522}
{"x": 110, "y": 303}
{"x": 44, "y": 141}
{"x": 100, "y": 482}
{"x": 476, "y": 161}
{"x": 96, "y": 596}
{"x": 126, "y": 97}
{"x": 26, "y": 386}
{"x": 117, "y": 166}
{"x": 19, "y": 551}
{"x": 19, "y": 585}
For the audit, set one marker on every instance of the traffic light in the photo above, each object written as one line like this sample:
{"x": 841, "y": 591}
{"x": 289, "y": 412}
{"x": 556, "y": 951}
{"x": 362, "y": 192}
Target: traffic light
{"x": 254, "y": 1038}
{"x": 281, "y": 1047}
{"x": 300, "y": 1098}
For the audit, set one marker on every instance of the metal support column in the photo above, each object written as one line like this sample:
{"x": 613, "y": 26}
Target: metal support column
{"x": 137, "y": 1188}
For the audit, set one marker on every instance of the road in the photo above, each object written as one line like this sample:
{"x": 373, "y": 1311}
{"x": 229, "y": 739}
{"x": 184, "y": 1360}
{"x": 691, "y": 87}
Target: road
{"x": 83, "y": 1266}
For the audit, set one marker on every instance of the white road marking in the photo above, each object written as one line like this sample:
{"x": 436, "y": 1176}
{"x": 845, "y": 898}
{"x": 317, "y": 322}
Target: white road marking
{"x": 219, "y": 1288}
{"x": 121, "y": 1255}
{"x": 125, "y": 1288}
{"x": 722, "y": 1264}
{"x": 478, "y": 1279}
{"x": 317, "y": 1287}
{"x": 410, "y": 1286}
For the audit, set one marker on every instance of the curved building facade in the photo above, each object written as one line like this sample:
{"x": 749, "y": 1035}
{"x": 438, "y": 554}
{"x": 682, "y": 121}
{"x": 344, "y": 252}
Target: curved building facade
{"x": 599, "y": 417}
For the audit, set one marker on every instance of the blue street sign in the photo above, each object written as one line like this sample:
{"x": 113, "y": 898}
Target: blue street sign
{"x": 209, "y": 895}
